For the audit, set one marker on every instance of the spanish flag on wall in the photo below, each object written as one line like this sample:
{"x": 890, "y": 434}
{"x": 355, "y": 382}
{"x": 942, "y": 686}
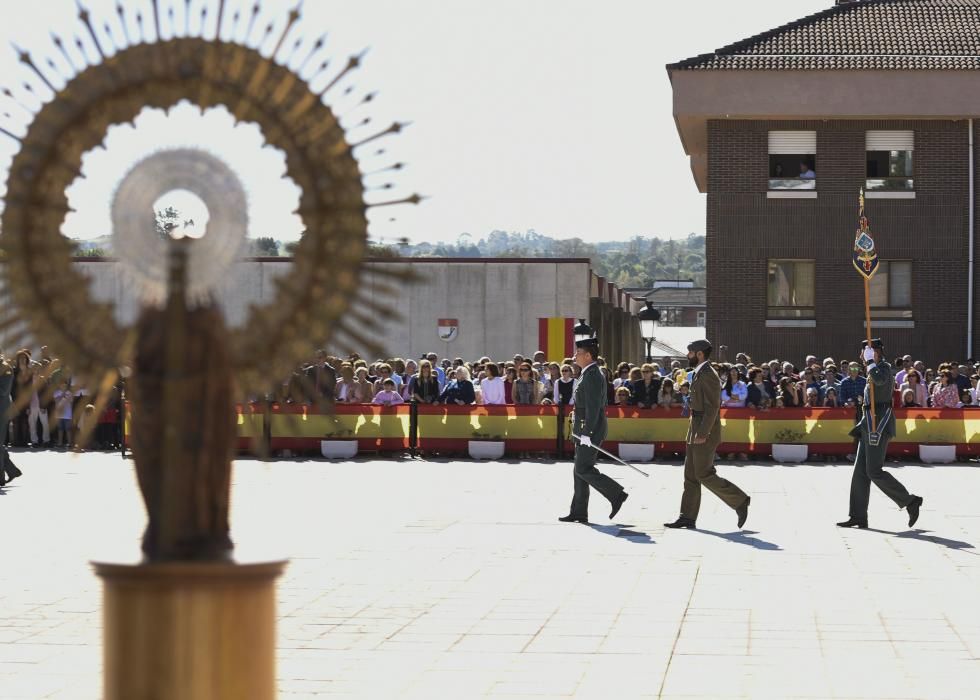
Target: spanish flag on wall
{"x": 555, "y": 338}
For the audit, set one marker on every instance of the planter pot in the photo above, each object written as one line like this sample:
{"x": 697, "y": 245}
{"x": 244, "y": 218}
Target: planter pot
{"x": 795, "y": 454}
{"x": 635, "y": 452}
{"x": 937, "y": 454}
{"x": 338, "y": 449}
{"x": 485, "y": 449}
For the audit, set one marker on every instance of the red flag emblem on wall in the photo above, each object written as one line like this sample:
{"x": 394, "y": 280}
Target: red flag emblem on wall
{"x": 448, "y": 328}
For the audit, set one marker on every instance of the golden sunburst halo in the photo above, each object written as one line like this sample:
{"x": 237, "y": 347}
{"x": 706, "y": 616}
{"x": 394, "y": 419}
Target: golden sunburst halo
{"x": 310, "y": 306}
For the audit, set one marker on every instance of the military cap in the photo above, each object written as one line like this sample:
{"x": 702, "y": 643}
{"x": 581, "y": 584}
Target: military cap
{"x": 875, "y": 343}
{"x": 701, "y": 345}
{"x": 588, "y": 344}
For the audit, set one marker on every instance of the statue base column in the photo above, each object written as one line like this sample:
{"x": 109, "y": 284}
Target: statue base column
{"x": 189, "y": 630}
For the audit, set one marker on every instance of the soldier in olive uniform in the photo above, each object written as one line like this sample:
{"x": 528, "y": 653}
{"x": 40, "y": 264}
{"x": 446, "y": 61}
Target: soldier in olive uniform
{"x": 589, "y": 426}
{"x": 873, "y": 444}
{"x": 703, "y": 438}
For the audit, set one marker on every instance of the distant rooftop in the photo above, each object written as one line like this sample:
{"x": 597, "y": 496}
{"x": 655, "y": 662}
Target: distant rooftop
{"x": 861, "y": 35}
{"x": 678, "y": 296}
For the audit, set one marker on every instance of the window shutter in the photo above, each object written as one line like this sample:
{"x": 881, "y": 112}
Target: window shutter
{"x": 901, "y": 284}
{"x": 889, "y": 140}
{"x": 792, "y": 142}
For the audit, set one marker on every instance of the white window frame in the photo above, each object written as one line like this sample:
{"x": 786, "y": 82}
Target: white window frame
{"x": 890, "y": 140}
{"x": 792, "y": 142}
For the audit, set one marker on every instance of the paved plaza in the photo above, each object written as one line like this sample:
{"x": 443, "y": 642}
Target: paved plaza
{"x": 441, "y": 579}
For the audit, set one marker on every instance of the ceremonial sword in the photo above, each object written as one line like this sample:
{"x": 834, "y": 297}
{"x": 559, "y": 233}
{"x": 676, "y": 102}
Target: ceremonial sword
{"x": 612, "y": 456}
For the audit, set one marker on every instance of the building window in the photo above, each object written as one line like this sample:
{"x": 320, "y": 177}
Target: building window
{"x": 790, "y": 289}
{"x": 891, "y": 289}
{"x": 701, "y": 319}
{"x": 671, "y": 316}
{"x": 889, "y": 161}
{"x": 792, "y": 160}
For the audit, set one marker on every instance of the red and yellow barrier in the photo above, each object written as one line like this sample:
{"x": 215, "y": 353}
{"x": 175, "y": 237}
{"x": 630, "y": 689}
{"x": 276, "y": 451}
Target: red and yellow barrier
{"x": 522, "y": 428}
{"x": 376, "y": 428}
{"x": 535, "y": 428}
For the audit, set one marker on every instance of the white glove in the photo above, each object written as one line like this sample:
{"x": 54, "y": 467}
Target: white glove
{"x": 869, "y": 354}
{"x": 585, "y": 441}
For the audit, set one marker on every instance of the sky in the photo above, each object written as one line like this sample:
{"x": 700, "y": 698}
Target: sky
{"x": 552, "y": 115}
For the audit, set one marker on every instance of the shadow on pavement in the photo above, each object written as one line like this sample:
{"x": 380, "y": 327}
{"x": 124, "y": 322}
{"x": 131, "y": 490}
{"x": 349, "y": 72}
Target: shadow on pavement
{"x": 934, "y": 539}
{"x": 744, "y": 537}
{"x": 634, "y": 536}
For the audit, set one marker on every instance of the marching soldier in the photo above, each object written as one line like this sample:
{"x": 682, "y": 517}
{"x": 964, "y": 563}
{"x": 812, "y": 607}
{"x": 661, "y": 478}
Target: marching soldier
{"x": 874, "y": 434}
{"x": 8, "y": 471}
{"x": 589, "y": 426}
{"x": 703, "y": 438}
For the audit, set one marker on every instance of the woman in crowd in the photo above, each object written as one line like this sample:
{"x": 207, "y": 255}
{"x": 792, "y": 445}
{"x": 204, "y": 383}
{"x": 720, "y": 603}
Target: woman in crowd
{"x": 913, "y": 383}
{"x": 554, "y": 375}
{"x": 622, "y": 396}
{"x": 397, "y": 371}
{"x": 734, "y": 392}
{"x": 789, "y": 393}
{"x": 645, "y": 391}
{"x": 344, "y": 389}
{"x": 635, "y": 377}
{"x": 459, "y": 390}
{"x": 424, "y": 386}
{"x": 812, "y": 398}
{"x": 830, "y": 398}
{"x": 411, "y": 369}
{"x": 667, "y": 397}
{"x": 946, "y": 394}
{"x": 492, "y": 387}
{"x": 384, "y": 372}
{"x": 564, "y": 388}
{"x": 526, "y": 391}
{"x": 908, "y": 397}
{"x": 758, "y": 392}
{"x": 510, "y": 376}
{"x": 363, "y": 388}
{"x": 622, "y": 374}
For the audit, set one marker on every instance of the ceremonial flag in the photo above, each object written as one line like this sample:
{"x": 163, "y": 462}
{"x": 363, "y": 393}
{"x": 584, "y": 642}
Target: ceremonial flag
{"x": 865, "y": 257}
{"x": 555, "y": 338}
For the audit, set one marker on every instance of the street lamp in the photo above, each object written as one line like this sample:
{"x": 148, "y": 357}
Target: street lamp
{"x": 582, "y": 331}
{"x": 648, "y": 325}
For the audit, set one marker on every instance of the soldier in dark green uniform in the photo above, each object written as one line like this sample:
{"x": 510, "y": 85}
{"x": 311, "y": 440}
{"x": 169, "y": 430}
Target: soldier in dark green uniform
{"x": 703, "y": 438}
{"x": 589, "y": 425}
{"x": 873, "y": 443}
{"x": 8, "y": 471}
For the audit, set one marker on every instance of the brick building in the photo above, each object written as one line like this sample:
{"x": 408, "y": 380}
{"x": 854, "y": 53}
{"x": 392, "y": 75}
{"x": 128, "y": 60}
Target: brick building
{"x": 784, "y": 128}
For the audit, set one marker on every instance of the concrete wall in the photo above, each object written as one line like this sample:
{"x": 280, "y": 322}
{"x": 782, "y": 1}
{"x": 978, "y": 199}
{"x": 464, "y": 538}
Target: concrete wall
{"x": 498, "y": 302}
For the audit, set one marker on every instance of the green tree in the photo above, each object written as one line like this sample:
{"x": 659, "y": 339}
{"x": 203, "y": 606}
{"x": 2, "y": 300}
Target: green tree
{"x": 267, "y": 246}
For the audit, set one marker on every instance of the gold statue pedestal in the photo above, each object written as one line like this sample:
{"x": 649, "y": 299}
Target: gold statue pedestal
{"x": 189, "y": 630}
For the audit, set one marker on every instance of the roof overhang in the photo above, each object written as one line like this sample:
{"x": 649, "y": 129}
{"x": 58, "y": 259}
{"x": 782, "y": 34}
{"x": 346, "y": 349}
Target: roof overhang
{"x": 700, "y": 95}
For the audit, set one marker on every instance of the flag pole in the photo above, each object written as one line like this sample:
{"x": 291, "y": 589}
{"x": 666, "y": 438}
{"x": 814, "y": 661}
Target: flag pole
{"x": 868, "y": 259}
{"x": 867, "y": 325}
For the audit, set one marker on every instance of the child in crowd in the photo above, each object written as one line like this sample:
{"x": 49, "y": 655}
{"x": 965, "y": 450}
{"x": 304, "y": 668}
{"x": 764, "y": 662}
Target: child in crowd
{"x": 63, "y": 399}
{"x": 388, "y": 396}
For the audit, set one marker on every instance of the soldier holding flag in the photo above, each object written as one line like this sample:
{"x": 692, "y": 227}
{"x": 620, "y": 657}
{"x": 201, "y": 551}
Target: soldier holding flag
{"x": 877, "y": 425}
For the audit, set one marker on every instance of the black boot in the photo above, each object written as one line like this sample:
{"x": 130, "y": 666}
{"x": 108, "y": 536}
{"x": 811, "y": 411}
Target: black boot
{"x": 574, "y": 519}
{"x": 854, "y": 522}
{"x": 913, "y": 509}
{"x": 681, "y": 522}
{"x": 617, "y": 504}
{"x": 743, "y": 512}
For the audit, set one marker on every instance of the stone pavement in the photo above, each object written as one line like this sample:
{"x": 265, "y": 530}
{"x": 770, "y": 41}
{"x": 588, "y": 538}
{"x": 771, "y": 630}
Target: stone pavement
{"x": 412, "y": 579}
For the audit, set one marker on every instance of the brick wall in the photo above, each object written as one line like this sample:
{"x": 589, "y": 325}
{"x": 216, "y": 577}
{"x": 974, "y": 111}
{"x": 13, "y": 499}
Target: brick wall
{"x": 745, "y": 229}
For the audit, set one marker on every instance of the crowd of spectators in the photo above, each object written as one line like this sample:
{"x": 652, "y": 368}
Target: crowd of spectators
{"x": 58, "y": 408}
{"x": 54, "y": 409}
{"x": 533, "y": 380}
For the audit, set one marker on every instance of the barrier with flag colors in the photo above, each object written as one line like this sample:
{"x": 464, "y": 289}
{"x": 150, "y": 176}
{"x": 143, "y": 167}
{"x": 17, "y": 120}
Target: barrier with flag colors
{"x": 546, "y": 429}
